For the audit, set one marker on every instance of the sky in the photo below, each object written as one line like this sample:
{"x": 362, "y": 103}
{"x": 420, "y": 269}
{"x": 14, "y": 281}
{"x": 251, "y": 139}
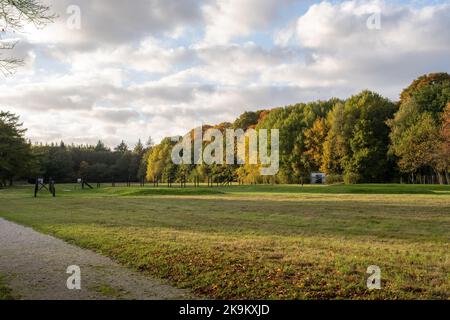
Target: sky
{"x": 126, "y": 70}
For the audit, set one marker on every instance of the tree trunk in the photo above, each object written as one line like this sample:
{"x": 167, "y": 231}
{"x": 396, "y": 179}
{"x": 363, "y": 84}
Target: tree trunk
{"x": 438, "y": 175}
{"x": 439, "y": 178}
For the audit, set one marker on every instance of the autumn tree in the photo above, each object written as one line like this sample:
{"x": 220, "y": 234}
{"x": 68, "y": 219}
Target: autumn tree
{"x": 314, "y": 143}
{"x": 430, "y": 93}
{"x": 293, "y": 121}
{"x": 357, "y": 144}
{"x": 440, "y": 161}
{"x": 419, "y": 128}
{"x": 160, "y": 160}
{"x": 247, "y": 119}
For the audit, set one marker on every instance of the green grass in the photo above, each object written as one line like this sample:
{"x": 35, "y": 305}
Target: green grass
{"x": 5, "y": 290}
{"x": 256, "y": 242}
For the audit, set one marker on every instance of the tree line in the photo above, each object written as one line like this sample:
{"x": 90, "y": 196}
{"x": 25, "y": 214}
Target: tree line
{"x": 21, "y": 160}
{"x": 364, "y": 139}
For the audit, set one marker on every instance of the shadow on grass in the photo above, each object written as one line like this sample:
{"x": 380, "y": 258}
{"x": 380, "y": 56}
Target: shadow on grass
{"x": 165, "y": 192}
{"x": 345, "y": 189}
{"x": 374, "y": 189}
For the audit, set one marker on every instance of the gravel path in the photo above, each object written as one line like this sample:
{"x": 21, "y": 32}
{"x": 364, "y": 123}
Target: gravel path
{"x": 35, "y": 267}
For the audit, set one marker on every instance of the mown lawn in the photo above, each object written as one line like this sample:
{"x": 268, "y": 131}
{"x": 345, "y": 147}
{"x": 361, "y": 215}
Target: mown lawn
{"x": 258, "y": 242}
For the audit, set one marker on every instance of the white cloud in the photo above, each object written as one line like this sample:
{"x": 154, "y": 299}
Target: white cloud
{"x": 343, "y": 50}
{"x": 116, "y": 21}
{"x": 166, "y": 66}
{"x": 227, "y": 19}
{"x": 343, "y": 27}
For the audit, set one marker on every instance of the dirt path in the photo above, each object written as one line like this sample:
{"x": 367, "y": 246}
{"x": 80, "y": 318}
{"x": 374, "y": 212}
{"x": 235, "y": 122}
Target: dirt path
{"x": 35, "y": 267}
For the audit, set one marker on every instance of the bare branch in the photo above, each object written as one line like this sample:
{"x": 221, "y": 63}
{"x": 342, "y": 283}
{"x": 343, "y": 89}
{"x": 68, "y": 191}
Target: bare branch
{"x": 10, "y": 65}
{"x": 8, "y": 43}
{"x": 14, "y": 14}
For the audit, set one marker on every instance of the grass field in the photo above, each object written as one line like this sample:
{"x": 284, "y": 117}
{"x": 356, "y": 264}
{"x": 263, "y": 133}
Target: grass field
{"x": 258, "y": 242}
{"x": 5, "y": 290}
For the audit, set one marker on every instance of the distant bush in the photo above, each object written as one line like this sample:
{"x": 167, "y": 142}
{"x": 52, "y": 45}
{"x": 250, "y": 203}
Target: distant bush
{"x": 334, "y": 179}
{"x": 352, "y": 178}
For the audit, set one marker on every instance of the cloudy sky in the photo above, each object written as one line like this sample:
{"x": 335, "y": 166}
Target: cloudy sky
{"x": 159, "y": 67}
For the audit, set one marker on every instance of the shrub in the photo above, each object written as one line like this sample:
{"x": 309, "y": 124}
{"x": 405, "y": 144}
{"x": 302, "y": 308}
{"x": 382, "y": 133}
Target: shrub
{"x": 352, "y": 178}
{"x": 334, "y": 179}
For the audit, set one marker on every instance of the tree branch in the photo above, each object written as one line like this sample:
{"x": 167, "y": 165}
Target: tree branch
{"x": 13, "y": 15}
